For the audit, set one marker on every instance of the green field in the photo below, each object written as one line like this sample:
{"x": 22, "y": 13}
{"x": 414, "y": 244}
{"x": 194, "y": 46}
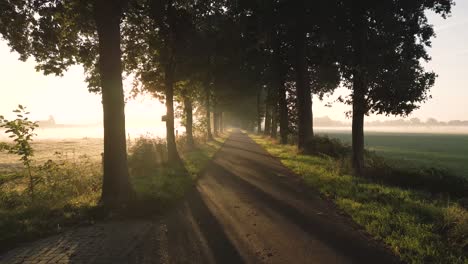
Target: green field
{"x": 416, "y": 150}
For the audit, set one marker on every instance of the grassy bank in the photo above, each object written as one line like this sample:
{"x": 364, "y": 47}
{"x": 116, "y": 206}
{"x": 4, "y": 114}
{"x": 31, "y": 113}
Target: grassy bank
{"x": 68, "y": 189}
{"x": 416, "y": 150}
{"x": 418, "y": 226}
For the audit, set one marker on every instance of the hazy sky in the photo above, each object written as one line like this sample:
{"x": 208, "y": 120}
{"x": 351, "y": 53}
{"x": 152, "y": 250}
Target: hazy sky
{"x": 67, "y": 98}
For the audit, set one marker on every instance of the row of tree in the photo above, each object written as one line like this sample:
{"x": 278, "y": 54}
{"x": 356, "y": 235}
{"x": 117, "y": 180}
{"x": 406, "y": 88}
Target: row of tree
{"x": 245, "y": 62}
{"x": 326, "y": 121}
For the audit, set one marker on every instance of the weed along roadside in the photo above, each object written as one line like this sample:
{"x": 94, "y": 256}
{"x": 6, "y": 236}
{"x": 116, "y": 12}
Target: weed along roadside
{"x": 419, "y": 226}
{"x": 157, "y": 182}
{"x": 67, "y": 191}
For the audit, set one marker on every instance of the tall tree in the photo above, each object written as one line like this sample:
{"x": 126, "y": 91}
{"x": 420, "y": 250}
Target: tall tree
{"x": 382, "y": 66}
{"x": 165, "y": 53}
{"x": 304, "y": 96}
{"x": 188, "y": 110}
{"x": 259, "y": 111}
{"x": 209, "y": 135}
{"x": 116, "y": 187}
{"x": 59, "y": 34}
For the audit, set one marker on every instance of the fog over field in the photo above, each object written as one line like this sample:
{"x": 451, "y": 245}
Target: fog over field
{"x": 156, "y": 129}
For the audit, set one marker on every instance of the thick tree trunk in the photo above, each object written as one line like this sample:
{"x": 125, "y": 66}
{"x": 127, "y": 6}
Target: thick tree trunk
{"x": 208, "y": 113}
{"x": 304, "y": 96}
{"x": 188, "y": 120}
{"x": 116, "y": 188}
{"x": 358, "y": 129}
{"x": 283, "y": 114}
{"x": 172, "y": 154}
{"x": 359, "y": 88}
{"x": 274, "y": 119}
{"x": 282, "y": 103}
{"x": 259, "y": 112}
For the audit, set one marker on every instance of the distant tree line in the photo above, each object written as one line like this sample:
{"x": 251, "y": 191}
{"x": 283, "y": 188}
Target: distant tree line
{"x": 240, "y": 62}
{"x": 326, "y": 121}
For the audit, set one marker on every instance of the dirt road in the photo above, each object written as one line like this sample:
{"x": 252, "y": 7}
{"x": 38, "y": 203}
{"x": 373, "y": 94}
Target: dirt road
{"x": 248, "y": 208}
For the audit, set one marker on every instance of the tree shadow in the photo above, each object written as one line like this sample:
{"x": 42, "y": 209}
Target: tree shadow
{"x": 194, "y": 221}
{"x": 337, "y": 236}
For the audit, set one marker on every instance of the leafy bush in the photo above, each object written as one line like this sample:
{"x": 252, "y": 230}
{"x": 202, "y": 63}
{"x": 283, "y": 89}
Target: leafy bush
{"x": 146, "y": 155}
{"x": 329, "y": 146}
{"x": 21, "y": 130}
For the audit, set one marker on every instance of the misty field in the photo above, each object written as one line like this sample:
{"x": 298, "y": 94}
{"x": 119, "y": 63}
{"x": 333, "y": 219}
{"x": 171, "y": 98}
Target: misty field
{"x": 60, "y": 149}
{"x": 417, "y": 150}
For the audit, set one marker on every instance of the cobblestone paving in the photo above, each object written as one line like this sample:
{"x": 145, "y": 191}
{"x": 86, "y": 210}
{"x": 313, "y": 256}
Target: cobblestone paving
{"x": 102, "y": 243}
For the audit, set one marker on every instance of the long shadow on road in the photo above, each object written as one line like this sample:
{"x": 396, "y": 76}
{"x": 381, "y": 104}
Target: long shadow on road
{"x": 318, "y": 227}
{"x": 201, "y": 229}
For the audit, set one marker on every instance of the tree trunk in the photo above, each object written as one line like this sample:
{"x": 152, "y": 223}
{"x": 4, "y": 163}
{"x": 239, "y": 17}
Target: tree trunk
{"x": 259, "y": 112}
{"x": 283, "y": 114}
{"x": 208, "y": 115}
{"x": 274, "y": 119}
{"x": 221, "y": 122}
{"x": 172, "y": 154}
{"x": 267, "y": 128}
{"x": 358, "y": 130}
{"x": 359, "y": 88}
{"x": 282, "y": 102}
{"x": 116, "y": 188}
{"x": 188, "y": 120}
{"x": 304, "y": 100}
{"x": 216, "y": 122}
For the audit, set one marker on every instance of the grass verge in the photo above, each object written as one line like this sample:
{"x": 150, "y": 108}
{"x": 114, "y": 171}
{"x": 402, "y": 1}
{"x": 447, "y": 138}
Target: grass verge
{"x": 418, "y": 227}
{"x": 165, "y": 185}
{"x": 68, "y": 191}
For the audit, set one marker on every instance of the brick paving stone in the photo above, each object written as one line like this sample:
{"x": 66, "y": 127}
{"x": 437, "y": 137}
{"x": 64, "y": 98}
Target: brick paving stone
{"x": 101, "y": 243}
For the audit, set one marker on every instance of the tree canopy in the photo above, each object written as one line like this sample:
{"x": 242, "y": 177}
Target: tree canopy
{"x": 244, "y": 63}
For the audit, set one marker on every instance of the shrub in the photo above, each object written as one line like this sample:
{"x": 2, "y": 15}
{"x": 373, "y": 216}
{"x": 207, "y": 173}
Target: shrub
{"x": 21, "y": 130}
{"x": 328, "y": 146}
{"x": 146, "y": 155}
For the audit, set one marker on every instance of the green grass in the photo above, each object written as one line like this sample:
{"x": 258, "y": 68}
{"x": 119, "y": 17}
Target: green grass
{"x": 67, "y": 195}
{"x": 167, "y": 184}
{"x": 417, "y": 227}
{"x": 70, "y": 187}
{"x": 415, "y": 150}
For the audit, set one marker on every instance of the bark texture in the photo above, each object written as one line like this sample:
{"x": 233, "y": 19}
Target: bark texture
{"x": 359, "y": 88}
{"x": 188, "y": 108}
{"x": 116, "y": 188}
{"x": 282, "y": 103}
{"x": 172, "y": 154}
{"x": 259, "y": 112}
{"x": 304, "y": 100}
{"x": 208, "y": 113}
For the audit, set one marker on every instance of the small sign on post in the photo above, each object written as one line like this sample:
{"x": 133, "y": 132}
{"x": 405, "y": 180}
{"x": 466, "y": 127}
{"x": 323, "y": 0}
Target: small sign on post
{"x": 164, "y": 118}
